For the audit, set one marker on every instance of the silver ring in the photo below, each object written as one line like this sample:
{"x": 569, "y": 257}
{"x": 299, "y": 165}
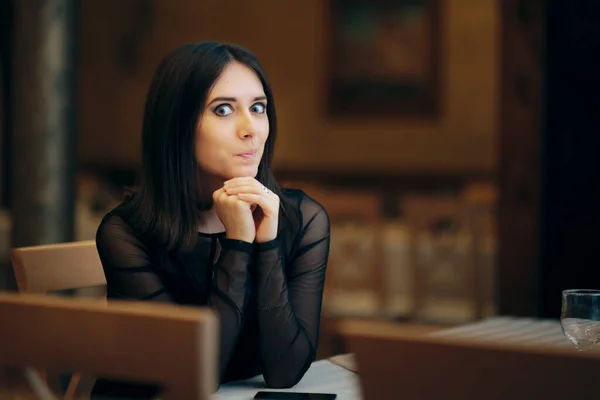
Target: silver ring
{"x": 264, "y": 189}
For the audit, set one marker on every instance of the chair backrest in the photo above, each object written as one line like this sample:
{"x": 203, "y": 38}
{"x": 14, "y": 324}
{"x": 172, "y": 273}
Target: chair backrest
{"x": 355, "y": 259}
{"x": 155, "y": 343}
{"x": 393, "y": 364}
{"x": 443, "y": 259}
{"x": 56, "y": 267}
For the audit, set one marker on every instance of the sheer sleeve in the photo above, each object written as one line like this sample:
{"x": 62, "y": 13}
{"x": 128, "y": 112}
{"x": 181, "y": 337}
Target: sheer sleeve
{"x": 126, "y": 261}
{"x": 289, "y": 299}
{"x": 228, "y": 294}
{"x": 133, "y": 274}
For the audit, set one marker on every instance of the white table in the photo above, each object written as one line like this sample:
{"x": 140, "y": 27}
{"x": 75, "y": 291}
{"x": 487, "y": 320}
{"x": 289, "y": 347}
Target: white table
{"x": 322, "y": 377}
{"x": 510, "y": 330}
{"x": 326, "y": 377}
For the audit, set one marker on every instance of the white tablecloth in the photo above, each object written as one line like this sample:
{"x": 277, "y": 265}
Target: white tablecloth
{"x": 322, "y": 377}
{"x": 509, "y": 330}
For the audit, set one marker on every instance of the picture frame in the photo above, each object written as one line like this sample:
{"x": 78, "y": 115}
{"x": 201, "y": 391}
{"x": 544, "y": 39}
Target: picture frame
{"x": 384, "y": 57}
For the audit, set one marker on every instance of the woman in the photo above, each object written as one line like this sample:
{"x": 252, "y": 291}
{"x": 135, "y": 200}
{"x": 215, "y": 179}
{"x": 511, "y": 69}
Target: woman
{"x": 209, "y": 225}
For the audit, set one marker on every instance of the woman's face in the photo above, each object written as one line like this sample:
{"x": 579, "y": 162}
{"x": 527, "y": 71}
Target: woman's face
{"x": 233, "y": 127}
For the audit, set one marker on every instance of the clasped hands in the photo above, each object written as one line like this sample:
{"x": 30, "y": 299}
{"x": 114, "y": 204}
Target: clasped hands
{"x": 247, "y": 209}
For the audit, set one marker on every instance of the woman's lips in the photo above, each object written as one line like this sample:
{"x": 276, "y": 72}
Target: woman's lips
{"x": 248, "y": 155}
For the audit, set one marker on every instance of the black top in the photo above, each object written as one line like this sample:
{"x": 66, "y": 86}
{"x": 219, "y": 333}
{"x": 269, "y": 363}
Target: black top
{"x": 268, "y": 295}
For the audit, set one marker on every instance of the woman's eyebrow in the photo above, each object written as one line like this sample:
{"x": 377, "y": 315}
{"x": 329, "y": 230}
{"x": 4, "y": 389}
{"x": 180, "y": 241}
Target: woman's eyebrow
{"x": 233, "y": 99}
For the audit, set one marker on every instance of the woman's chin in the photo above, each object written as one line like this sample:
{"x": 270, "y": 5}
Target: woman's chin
{"x": 244, "y": 172}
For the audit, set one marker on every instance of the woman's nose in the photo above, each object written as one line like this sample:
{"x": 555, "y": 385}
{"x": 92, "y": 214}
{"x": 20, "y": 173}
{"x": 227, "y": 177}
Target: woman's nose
{"x": 246, "y": 126}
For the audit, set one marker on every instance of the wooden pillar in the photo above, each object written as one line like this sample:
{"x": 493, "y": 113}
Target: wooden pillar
{"x": 7, "y": 280}
{"x": 5, "y": 68}
{"x": 522, "y": 69}
{"x": 43, "y": 134}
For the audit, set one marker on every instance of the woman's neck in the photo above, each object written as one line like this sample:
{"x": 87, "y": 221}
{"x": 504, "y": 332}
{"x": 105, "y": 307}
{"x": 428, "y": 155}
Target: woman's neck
{"x": 208, "y": 221}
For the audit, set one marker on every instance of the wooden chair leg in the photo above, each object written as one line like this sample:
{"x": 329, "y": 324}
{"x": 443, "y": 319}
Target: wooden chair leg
{"x": 72, "y": 388}
{"x": 38, "y": 383}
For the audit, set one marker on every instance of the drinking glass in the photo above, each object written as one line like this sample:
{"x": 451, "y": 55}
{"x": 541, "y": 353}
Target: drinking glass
{"x": 580, "y": 317}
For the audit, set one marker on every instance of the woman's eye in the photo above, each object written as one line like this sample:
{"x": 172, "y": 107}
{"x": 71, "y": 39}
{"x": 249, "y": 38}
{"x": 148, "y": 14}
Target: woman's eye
{"x": 258, "y": 108}
{"x": 223, "y": 110}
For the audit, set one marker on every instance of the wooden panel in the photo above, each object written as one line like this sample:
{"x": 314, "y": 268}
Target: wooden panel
{"x": 288, "y": 37}
{"x": 120, "y": 340}
{"x": 392, "y": 362}
{"x": 520, "y": 145}
{"x": 6, "y": 106}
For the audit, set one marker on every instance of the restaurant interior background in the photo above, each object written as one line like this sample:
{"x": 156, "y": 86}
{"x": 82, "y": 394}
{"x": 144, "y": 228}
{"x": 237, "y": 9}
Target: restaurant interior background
{"x": 426, "y": 129}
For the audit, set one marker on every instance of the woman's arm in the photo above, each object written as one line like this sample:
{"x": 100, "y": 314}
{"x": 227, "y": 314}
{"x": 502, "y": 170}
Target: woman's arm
{"x": 228, "y": 294}
{"x": 289, "y": 309}
{"x": 132, "y": 274}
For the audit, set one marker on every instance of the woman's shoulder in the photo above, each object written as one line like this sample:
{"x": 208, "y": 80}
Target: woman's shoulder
{"x": 115, "y": 224}
{"x": 307, "y": 206}
{"x": 118, "y": 242}
{"x": 310, "y": 224}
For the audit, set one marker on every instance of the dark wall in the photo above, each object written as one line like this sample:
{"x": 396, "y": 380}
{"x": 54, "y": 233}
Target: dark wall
{"x": 6, "y": 26}
{"x": 570, "y": 209}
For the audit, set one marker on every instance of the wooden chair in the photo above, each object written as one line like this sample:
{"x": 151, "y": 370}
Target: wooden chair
{"x": 355, "y": 259}
{"x": 58, "y": 267}
{"x": 443, "y": 254}
{"x": 397, "y": 364}
{"x": 156, "y": 343}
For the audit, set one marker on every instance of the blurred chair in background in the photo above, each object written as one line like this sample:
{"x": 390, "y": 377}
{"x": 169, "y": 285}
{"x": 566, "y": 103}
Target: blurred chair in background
{"x": 355, "y": 283}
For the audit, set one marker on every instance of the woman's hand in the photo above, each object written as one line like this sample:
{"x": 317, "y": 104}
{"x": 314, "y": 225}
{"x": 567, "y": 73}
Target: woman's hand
{"x": 266, "y": 215}
{"x": 236, "y": 216}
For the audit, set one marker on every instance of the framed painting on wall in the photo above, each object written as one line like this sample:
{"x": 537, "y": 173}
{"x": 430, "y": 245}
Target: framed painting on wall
{"x": 384, "y": 57}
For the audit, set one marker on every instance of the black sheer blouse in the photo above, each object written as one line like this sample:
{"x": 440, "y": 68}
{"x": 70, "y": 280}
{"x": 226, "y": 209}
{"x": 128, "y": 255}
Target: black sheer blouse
{"x": 268, "y": 295}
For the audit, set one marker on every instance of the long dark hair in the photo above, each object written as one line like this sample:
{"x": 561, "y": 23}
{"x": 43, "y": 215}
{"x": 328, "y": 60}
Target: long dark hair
{"x": 167, "y": 200}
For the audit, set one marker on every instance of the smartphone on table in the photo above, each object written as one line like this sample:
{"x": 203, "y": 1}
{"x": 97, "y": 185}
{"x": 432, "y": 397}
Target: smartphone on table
{"x": 294, "y": 396}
